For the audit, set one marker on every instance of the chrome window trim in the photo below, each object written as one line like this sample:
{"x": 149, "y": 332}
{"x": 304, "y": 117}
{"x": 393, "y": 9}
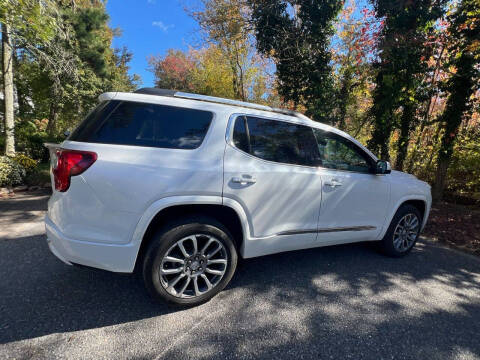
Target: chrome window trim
{"x": 229, "y": 140}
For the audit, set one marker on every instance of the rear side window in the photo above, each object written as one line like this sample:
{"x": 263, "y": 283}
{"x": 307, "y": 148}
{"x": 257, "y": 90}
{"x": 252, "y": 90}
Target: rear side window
{"x": 143, "y": 124}
{"x": 278, "y": 141}
{"x": 240, "y": 137}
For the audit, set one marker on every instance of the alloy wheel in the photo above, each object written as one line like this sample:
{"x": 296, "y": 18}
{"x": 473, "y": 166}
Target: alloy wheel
{"x": 193, "y": 266}
{"x": 406, "y": 232}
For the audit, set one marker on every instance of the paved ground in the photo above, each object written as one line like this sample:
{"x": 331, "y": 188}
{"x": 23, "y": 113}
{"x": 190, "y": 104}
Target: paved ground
{"x": 333, "y": 303}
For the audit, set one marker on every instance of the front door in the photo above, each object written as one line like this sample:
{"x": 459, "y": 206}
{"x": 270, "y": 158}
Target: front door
{"x": 354, "y": 201}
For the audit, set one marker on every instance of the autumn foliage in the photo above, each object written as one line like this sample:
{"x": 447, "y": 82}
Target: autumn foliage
{"x": 402, "y": 76}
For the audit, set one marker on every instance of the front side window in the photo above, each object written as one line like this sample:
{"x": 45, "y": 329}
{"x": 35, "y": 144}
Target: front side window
{"x": 143, "y": 124}
{"x": 276, "y": 141}
{"x": 339, "y": 153}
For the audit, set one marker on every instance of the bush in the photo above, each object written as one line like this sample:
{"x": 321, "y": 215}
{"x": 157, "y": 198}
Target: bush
{"x": 28, "y": 163}
{"x": 40, "y": 176}
{"x": 30, "y": 137}
{"x": 11, "y": 172}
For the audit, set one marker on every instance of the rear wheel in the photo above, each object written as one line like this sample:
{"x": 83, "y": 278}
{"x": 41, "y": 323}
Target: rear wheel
{"x": 403, "y": 231}
{"x": 189, "y": 262}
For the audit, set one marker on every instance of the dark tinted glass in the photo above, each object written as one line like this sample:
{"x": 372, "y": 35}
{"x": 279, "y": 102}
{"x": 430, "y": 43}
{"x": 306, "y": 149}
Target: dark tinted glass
{"x": 282, "y": 142}
{"x": 142, "y": 124}
{"x": 337, "y": 152}
{"x": 92, "y": 121}
{"x": 240, "y": 138}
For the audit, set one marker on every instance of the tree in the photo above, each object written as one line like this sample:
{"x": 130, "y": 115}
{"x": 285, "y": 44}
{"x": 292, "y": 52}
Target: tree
{"x": 29, "y": 22}
{"x": 353, "y": 49}
{"x": 434, "y": 100}
{"x": 118, "y": 71}
{"x": 296, "y": 34}
{"x": 173, "y": 71}
{"x": 401, "y": 67}
{"x": 212, "y": 73}
{"x": 207, "y": 71}
{"x": 224, "y": 23}
{"x": 58, "y": 80}
{"x": 79, "y": 59}
{"x": 7, "y": 74}
{"x": 464, "y": 59}
{"x": 78, "y": 64}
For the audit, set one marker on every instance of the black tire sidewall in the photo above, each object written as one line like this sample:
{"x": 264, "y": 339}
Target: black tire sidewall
{"x": 387, "y": 241}
{"x": 165, "y": 238}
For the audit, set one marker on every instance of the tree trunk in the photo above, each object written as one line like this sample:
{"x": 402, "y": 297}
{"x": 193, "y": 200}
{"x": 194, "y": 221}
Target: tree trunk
{"x": 440, "y": 179}
{"x": 413, "y": 158}
{"x": 461, "y": 88}
{"x": 7, "y": 74}
{"x": 343, "y": 99}
{"x": 383, "y": 117}
{"x": 402, "y": 145}
{"x": 432, "y": 140}
{"x": 21, "y": 100}
{"x": 52, "y": 118}
{"x": 380, "y": 139}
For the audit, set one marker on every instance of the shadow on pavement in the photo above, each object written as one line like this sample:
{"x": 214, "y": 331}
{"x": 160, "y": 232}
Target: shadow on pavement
{"x": 346, "y": 300}
{"x": 22, "y": 209}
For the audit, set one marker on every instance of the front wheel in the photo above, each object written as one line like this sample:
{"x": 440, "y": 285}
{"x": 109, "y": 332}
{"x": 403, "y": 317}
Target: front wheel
{"x": 403, "y": 232}
{"x": 190, "y": 262}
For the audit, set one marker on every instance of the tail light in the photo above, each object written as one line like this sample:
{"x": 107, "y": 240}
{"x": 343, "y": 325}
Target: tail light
{"x": 70, "y": 163}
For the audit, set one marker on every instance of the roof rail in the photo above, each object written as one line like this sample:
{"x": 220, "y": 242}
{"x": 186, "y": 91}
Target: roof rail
{"x": 218, "y": 100}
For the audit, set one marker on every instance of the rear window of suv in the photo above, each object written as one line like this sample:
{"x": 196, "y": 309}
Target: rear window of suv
{"x": 144, "y": 124}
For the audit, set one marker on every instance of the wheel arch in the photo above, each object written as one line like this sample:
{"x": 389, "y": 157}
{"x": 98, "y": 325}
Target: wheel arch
{"x": 421, "y": 205}
{"x": 418, "y": 201}
{"x": 229, "y": 213}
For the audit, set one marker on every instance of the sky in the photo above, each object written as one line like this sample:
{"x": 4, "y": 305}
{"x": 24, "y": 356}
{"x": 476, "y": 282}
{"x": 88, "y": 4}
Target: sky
{"x": 150, "y": 27}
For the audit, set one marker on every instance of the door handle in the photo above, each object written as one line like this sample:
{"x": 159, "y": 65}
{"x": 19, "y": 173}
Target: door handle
{"x": 244, "y": 180}
{"x": 333, "y": 183}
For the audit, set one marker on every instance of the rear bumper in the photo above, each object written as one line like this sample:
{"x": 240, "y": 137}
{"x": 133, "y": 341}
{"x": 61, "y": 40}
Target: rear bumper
{"x": 116, "y": 258}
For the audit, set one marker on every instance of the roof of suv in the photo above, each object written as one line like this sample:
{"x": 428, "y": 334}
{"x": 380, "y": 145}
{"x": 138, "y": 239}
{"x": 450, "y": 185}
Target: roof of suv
{"x": 218, "y": 100}
{"x": 147, "y": 95}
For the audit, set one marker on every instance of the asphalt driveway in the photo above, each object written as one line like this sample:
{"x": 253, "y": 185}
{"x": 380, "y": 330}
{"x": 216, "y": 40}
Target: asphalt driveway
{"x": 344, "y": 302}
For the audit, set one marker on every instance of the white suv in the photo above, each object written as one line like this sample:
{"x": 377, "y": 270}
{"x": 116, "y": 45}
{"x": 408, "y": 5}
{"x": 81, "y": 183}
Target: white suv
{"x": 181, "y": 184}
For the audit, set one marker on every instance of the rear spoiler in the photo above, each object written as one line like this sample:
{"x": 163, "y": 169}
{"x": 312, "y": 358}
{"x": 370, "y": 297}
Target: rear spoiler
{"x": 52, "y": 149}
{"x": 51, "y": 146}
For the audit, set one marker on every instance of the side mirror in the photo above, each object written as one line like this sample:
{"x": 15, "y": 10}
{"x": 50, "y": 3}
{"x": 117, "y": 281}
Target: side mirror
{"x": 383, "y": 167}
{"x": 66, "y": 133}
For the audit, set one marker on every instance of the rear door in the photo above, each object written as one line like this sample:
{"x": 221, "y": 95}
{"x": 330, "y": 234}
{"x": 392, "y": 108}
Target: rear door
{"x": 270, "y": 170}
{"x": 354, "y": 201}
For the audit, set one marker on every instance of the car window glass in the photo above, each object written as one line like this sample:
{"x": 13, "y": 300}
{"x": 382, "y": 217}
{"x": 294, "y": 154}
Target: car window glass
{"x": 240, "y": 139}
{"x": 339, "y": 153}
{"x": 281, "y": 142}
{"x": 91, "y": 122}
{"x": 143, "y": 124}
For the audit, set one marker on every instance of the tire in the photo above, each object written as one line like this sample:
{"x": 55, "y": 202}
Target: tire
{"x": 188, "y": 287}
{"x": 397, "y": 243}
